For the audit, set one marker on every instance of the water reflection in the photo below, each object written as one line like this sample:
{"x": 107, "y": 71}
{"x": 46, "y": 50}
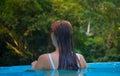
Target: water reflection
{"x": 56, "y": 73}
{"x": 61, "y": 73}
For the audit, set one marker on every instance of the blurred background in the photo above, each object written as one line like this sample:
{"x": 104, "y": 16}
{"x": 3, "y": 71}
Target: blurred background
{"x": 25, "y": 29}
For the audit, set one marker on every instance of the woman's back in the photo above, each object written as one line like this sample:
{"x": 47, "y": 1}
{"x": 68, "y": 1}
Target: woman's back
{"x": 47, "y": 63}
{"x": 64, "y": 56}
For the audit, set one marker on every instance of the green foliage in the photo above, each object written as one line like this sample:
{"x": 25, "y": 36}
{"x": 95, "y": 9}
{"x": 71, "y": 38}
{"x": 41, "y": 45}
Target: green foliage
{"x": 25, "y": 28}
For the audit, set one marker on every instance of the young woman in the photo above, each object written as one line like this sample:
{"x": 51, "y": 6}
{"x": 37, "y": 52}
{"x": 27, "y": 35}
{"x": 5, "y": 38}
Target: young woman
{"x": 64, "y": 57}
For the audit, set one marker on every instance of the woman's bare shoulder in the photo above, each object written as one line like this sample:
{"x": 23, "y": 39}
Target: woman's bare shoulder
{"x": 43, "y": 57}
{"x": 80, "y": 55}
{"x": 42, "y": 61}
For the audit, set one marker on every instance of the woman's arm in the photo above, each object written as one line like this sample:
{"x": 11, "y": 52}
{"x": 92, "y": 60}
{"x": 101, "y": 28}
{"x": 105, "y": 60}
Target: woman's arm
{"x": 33, "y": 64}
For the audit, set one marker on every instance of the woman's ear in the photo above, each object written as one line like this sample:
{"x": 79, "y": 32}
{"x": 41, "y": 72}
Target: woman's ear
{"x": 54, "y": 41}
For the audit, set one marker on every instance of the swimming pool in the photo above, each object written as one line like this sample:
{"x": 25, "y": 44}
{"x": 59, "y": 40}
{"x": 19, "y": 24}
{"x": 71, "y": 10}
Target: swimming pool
{"x": 94, "y": 69}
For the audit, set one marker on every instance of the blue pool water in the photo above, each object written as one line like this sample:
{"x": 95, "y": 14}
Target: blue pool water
{"x": 94, "y": 69}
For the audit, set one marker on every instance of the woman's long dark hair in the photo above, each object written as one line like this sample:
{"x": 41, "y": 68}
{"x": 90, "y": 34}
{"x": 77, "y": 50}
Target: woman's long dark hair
{"x": 62, "y": 31}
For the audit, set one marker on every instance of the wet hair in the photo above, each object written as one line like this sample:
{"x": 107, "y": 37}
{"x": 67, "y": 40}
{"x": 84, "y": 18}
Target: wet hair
{"x": 62, "y": 31}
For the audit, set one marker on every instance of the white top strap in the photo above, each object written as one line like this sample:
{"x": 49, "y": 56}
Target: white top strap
{"x": 51, "y": 61}
{"x": 79, "y": 59}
